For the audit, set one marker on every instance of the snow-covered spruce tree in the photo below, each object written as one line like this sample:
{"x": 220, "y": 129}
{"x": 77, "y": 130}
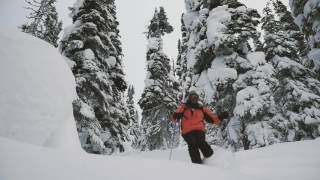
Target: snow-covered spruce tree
{"x": 222, "y": 65}
{"x": 159, "y": 96}
{"x": 297, "y": 96}
{"x": 134, "y": 129}
{"x": 93, "y": 46}
{"x": 182, "y": 71}
{"x": 44, "y": 22}
{"x": 307, "y": 17}
{"x": 285, "y": 16}
{"x": 285, "y": 36}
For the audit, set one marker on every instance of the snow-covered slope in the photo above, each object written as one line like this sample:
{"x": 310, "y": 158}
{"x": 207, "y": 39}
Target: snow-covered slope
{"x": 298, "y": 160}
{"x": 292, "y": 161}
{"x": 36, "y": 93}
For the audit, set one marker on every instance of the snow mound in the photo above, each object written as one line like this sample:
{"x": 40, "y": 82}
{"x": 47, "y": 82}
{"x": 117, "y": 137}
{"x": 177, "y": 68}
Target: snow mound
{"x": 21, "y": 161}
{"x": 293, "y": 161}
{"x": 36, "y": 93}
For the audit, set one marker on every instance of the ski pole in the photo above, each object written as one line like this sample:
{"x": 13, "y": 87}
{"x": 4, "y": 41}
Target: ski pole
{"x": 171, "y": 142}
{"x": 170, "y": 156}
{"x": 231, "y": 142}
{"x": 172, "y": 138}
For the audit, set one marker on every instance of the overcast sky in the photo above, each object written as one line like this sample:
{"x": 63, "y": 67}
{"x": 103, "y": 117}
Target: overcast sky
{"x": 134, "y": 16}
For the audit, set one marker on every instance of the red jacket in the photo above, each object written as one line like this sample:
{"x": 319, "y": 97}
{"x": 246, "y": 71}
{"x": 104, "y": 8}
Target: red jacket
{"x": 193, "y": 118}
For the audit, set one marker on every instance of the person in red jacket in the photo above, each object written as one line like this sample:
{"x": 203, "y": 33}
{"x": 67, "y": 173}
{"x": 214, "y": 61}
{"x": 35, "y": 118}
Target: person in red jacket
{"x": 192, "y": 115}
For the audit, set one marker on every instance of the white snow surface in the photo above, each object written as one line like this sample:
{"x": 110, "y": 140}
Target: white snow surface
{"x": 293, "y": 161}
{"x": 112, "y": 61}
{"x": 218, "y": 16}
{"x": 315, "y": 55}
{"x": 36, "y": 93}
{"x": 218, "y": 73}
{"x": 154, "y": 43}
{"x": 248, "y": 100}
{"x": 257, "y": 58}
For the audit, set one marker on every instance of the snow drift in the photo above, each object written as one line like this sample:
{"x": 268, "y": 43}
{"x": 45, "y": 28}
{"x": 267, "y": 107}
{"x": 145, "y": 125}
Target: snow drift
{"x": 292, "y": 161}
{"x": 36, "y": 93}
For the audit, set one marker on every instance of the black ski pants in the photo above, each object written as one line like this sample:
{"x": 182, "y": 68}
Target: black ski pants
{"x": 196, "y": 141}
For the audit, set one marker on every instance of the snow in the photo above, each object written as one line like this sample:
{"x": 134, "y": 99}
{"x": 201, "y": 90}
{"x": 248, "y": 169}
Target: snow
{"x": 314, "y": 54}
{"x": 194, "y": 53}
{"x": 70, "y": 63}
{"x": 249, "y": 100}
{"x": 77, "y": 5}
{"x": 189, "y": 18}
{"x": 256, "y": 58}
{"x": 112, "y": 61}
{"x": 154, "y": 43}
{"x": 308, "y": 20}
{"x": 261, "y": 134}
{"x": 192, "y": 5}
{"x": 71, "y": 28}
{"x": 299, "y": 20}
{"x": 255, "y": 91}
{"x": 88, "y": 54}
{"x": 293, "y": 161}
{"x": 198, "y": 22}
{"x": 218, "y": 73}
{"x": 215, "y": 21}
{"x": 311, "y": 7}
{"x": 87, "y": 111}
{"x": 36, "y": 93}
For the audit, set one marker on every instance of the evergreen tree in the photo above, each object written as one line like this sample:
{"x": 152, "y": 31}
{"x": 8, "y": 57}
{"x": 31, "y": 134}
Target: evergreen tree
{"x": 158, "y": 98}
{"x": 93, "y": 46}
{"x": 159, "y": 24}
{"x": 272, "y": 27}
{"x": 134, "y": 129}
{"x": 44, "y": 21}
{"x": 287, "y": 40}
{"x": 293, "y": 30}
{"x": 182, "y": 71}
{"x": 297, "y": 95}
{"x": 221, "y": 64}
{"x": 130, "y": 101}
{"x": 307, "y": 17}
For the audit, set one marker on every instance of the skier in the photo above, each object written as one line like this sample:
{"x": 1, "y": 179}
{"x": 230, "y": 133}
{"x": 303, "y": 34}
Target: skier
{"x": 192, "y": 115}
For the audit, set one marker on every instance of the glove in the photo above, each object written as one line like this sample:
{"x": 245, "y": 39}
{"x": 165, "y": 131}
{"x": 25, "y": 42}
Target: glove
{"x": 223, "y": 115}
{"x": 176, "y": 117}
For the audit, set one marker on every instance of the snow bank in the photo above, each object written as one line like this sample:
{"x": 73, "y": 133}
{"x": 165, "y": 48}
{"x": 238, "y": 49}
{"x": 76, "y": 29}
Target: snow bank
{"x": 21, "y": 161}
{"x": 293, "y": 161}
{"x": 36, "y": 93}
